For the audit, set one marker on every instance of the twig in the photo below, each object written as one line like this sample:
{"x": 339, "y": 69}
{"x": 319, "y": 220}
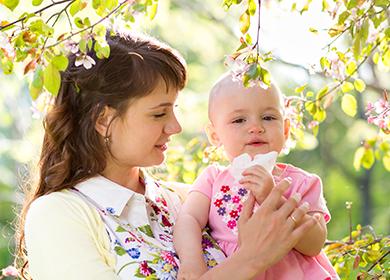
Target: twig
{"x": 36, "y": 12}
{"x": 378, "y": 261}
{"x": 89, "y": 27}
{"x": 258, "y": 34}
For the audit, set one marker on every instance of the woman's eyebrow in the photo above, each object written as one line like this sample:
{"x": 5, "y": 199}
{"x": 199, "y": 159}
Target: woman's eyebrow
{"x": 165, "y": 104}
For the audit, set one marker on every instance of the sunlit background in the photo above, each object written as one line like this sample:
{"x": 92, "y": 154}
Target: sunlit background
{"x": 204, "y": 34}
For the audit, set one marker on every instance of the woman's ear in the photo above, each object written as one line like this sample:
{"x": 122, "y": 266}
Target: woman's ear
{"x": 212, "y": 135}
{"x": 286, "y": 128}
{"x": 104, "y": 119}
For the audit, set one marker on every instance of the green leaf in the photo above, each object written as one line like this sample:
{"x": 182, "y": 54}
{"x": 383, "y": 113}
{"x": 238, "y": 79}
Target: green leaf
{"x": 386, "y": 58}
{"x": 60, "y": 62}
{"x": 324, "y": 63}
{"x": 357, "y": 159}
{"x": 364, "y": 32}
{"x": 75, "y": 7}
{"x": 10, "y": 4}
{"x": 320, "y": 115}
{"x": 381, "y": 3}
{"x": 37, "y": 2}
{"x": 79, "y": 22}
{"x": 356, "y": 46}
{"x": 38, "y": 77}
{"x": 351, "y": 68}
{"x": 96, "y": 4}
{"x": 342, "y": 17}
{"x": 322, "y": 93}
{"x": 386, "y": 162}
{"x": 375, "y": 58}
{"x": 52, "y": 79}
{"x": 347, "y": 87}
{"x": 7, "y": 66}
{"x": 252, "y": 7}
{"x": 300, "y": 89}
{"x": 152, "y": 10}
{"x": 368, "y": 158}
{"x": 265, "y": 76}
{"x": 352, "y": 4}
{"x": 119, "y": 250}
{"x": 245, "y": 22}
{"x": 147, "y": 230}
{"x": 120, "y": 229}
{"x": 349, "y": 105}
{"x": 359, "y": 85}
{"x": 310, "y": 107}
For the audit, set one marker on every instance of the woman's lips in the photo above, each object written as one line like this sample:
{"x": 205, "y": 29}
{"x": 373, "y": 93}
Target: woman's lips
{"x": 162, "y": 147}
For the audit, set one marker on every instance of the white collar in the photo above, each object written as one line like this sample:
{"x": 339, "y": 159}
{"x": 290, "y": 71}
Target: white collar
{"x": 106, "y": 193}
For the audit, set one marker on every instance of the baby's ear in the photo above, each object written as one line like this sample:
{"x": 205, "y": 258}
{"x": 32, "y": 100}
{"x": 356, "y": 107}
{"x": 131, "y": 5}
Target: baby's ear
{"x": 286, "y": 128}
{"x": 104, "y": 119}
{"x": 212, "y": 135}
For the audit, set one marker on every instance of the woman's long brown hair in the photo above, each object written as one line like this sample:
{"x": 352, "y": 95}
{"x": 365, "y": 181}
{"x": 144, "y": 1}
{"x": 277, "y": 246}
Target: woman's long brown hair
{"x": 72, "y": 150}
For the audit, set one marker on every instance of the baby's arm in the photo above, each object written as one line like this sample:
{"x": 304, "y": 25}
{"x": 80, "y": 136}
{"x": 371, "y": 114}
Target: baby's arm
{"x": 313, "y": 240}
{"x": 187, "y": 235}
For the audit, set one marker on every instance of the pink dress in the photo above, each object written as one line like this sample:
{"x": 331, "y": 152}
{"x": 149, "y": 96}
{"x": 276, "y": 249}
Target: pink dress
{"x": 226, "y": 198}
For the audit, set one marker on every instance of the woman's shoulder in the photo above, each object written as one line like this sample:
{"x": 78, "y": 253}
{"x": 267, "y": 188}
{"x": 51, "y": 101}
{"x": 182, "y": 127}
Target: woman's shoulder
{"x": 59, "y": 206}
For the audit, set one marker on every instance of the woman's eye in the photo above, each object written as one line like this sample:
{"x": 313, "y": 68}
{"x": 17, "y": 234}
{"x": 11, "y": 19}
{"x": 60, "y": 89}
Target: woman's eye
{"x": 159, "y": 115}
{"x": 241, "y": 120}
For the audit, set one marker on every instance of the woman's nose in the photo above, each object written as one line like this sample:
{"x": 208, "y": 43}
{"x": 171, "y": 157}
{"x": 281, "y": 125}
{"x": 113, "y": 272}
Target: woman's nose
{"x": 173, "y": 127}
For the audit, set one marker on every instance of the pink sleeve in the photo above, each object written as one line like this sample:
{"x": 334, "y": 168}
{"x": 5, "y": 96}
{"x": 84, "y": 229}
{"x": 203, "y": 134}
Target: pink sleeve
{"x": 204, "y": 182}
{"x": 312, "y": 193}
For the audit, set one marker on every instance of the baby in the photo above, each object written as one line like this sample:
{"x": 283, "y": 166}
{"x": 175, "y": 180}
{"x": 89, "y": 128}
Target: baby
{"x": 250, "y": 122}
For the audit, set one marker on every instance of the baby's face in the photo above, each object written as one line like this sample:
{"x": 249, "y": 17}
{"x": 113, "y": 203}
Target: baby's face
{"x": 248, "y": 120}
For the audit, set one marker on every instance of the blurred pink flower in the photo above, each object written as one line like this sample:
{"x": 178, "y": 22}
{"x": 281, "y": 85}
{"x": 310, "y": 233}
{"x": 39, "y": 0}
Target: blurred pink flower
{"x": 9, "y": 271}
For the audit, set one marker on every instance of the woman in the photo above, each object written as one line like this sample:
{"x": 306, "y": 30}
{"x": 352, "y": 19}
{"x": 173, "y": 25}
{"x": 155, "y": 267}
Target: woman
{"x": 94, "y": 214}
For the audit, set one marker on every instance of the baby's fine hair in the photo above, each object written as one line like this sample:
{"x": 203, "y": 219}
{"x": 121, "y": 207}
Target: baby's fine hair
{"x": 228, "y": 79}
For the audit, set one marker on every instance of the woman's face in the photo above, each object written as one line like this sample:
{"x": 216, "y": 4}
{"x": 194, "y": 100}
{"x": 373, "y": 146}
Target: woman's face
{"x": 139, "y": 138}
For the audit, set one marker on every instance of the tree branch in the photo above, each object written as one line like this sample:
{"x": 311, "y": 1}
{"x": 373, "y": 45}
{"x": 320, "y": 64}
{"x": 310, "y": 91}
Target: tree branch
{"x": 36, "y": 12}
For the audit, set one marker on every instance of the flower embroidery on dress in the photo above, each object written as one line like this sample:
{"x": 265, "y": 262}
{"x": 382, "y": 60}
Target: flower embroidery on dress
{"x": 228, "y": 203}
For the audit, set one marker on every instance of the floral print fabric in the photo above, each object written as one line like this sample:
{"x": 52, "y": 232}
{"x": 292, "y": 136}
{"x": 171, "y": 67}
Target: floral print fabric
{"x": 140, "y": 228}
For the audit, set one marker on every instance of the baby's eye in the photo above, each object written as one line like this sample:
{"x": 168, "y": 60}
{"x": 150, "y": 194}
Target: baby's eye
{"x": 269, "y": 118}
{"x": 239, "y": 120}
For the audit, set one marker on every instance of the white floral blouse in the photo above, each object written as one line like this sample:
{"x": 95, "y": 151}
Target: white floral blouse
{"x": 140, "y": 227}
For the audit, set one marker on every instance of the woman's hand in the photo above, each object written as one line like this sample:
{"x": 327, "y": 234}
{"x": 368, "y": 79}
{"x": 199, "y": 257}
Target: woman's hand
{"x": 268, "y": 235}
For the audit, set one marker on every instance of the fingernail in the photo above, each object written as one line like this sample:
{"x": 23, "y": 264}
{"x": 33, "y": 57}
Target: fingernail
{"x": 305, "y": 206}
{"x": 297, "y": 197}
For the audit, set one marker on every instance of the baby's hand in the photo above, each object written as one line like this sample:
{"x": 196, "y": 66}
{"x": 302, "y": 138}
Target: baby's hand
{"x": 190, "y": 270}
{"x": 259, "y": 181}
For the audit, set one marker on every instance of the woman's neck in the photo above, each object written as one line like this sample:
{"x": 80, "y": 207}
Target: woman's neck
{"x": 126, "y": 177}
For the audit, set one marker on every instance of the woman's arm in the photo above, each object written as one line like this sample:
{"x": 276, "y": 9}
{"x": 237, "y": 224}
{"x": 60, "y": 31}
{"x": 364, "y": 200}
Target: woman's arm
{"x": 265, "y": 236}
{"x": 187, "y": 235}
{"x": 65, "y": 240}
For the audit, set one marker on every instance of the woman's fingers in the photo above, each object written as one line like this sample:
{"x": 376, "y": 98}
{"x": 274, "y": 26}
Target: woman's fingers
{"x": 247, "y": 209}
{"x": 296, "y": 216}
{"x": 273, "y": 199}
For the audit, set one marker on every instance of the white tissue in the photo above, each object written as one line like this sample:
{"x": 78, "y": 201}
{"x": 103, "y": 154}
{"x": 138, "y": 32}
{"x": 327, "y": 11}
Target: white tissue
{"x": 244, "y": 161}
